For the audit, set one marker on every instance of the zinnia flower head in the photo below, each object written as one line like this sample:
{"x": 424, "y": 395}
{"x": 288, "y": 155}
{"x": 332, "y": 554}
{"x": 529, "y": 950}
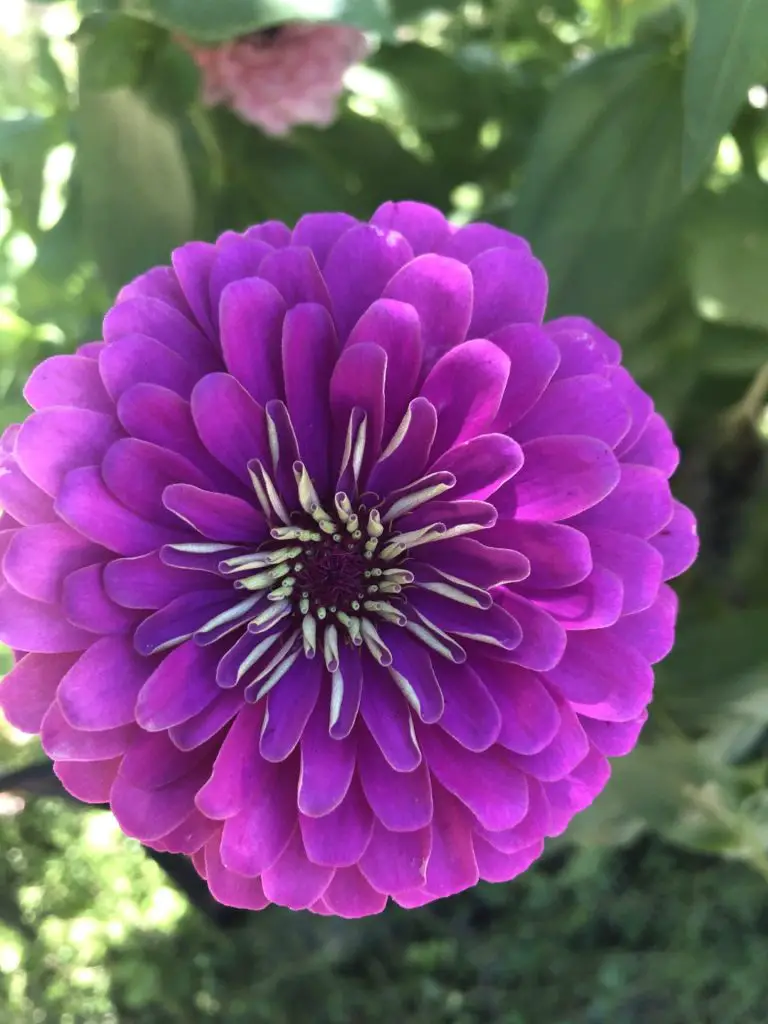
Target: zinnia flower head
{"x": 335, "y": 567}
{"x": 280, "y": 77}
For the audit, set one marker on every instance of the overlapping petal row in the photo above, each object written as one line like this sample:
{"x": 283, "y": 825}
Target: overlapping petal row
{"x": 289, "y": 75}
{"x": 334, "y": 566}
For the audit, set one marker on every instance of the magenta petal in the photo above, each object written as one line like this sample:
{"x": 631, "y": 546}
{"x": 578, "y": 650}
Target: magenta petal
{"x": 402, "y": 801}
{"x": 350, "y": 896}
{"x": 503, "y": 867}
{"x": 67, "y": 380}
{"x": 238, "y": 770}
{"x": 181, "y": 686}
{"x": 327, "y": 765}
{"x": 534, "y": 825}
{"x": 100, "y": 690}
{"x": 471, "y": 715}
{"x": 640, "y": 504}
{"x": 440, "y": 290}
{"x": 407, "y": 454}
{"x": 159, "y": 283}
{"x": 493, "y": 627}
{"x": 358, "y": 382}
{"x": 586, "y": 405}
{"x": 230, "y": 424}
{"x": 147, "y": 582}
{"x": 86, "y": 504}
{"x": 466, "y": 387}
{"x": 161, "y": 321}
{"x": 137, "y": 359}
{"x": 510, "y": 288}
{"x": 589, "y": 333}
{"x": 385, "y": 712}
{"x": 535, "y": 359}
{"x": 594, "y": 603}
{"x": 640, "y": 406}
{"x": 395, "y": 861}
{"x": 87, "y": 605}
{"x": 293, "y": 880}
{"x": 201, "y": 727}
{"x": 452, "y": 866}
{"x": 296, "y": 275}
{"x": 567, "y": 749}
{"x": 89, "y": 781}
{"x": 137, "y": 473}
{"x": 22, "y": 499}
{"x": 677, "y": 541}
{"x": 309, "y": 353}
{"x": 228, "y": 887}
{"x": 530, "y": 719}
{"x": 571, "y": 795}
{"x": 487, "y": 783}
{"x": 543, "y": 639}
{"x": 339, "y": 839}
{"x": 151, "y": 814}
{"x": 193, "y": 263}
{"x": 27, "y": 625}
{"x": 472, "y": 239}
{"x": 603, "y": 677}
{"x": 562, "y": 476}
{"x": 189, "y": 837}
{"x": 424, "y": 226}
{"x": 237, "y": 257}
{"x": 40, "y": 557}
{"x": 320, "y": 231}
{"x": 250, "y": 325}
{"x": 655, "y": 447}
{"x": 151, "y": 761}
{"x": 253, "y": 839}
{"x": 179, "y": 619}
{"x": 651, "y": 631}
{"x": 478, "y": 563}
{"x": 413, "y": 662}
{"x": 54, "y": 441}
{"x": 394, "y": 327}
{"x": 30, "y": 687}
{"x": 614, "y": 739}
{"x": 220, "y": 517}
{"x": 289, "y": 706}
{"x": 62, "y": 742}
{"x": 636, "y": 562}
{"x": 480, "y": 465}
{"x": 358, "y": 268}
{"x": 558, "y": 555}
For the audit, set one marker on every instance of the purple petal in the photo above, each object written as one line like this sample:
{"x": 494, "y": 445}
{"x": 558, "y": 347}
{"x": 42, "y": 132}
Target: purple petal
{"x": 137, "y": 359}
{"x": 181, "y": 686}
{"x": 487, "y": 783}
{"x": 394, "y": 327}
{"x": 193, "y": 263}
{"x": 327, "y": 765}
{"x": 592, "y": 604}
{"x": 238, "y": 770}
{"x": 591, "y": 333}
{"x": 640, "y": 406}
{"x": 100, "y": 690}
{"x": 86, "y": 504}
{"x": 137, "y": 473}
{"x": 87, "y": 605}
{"x": 677, "y": 541}
{"x": 480, "y": 465}
{"x": 22, "y": 499}
{"x": 402, "y": 801}
{"x": 338, "y": 839}
{"x": 492, "y": 626}
{"x": 569, "y": 796}
{"x": 358, "y": 268}
{"x": 220, "y": 517}
{"x": 199, "y": 729}
{"x": 156, "y": 319}
{"x": 229, "y": 888}
{"x": 309, "y": 353}
{"x": 30, "y": 687}
{"x": 358, "y": 382}
{"x": 293, "y": 880}
{"x": 543, "y": 638}
{"x": 586, "y": 405}
{"x": 603, "y": 677}
{"x": 640, "y": 504}
{"x": 230, "y": 424}
{"x": 151, "y": 761}
{"x": 289, "y": 706}
{"x": 466, "y": 387}
{"x": 614, "y": 739}
{"x": 478, "y": 563}
{"x": 250, "y": 325}
{"x": 189, "y": 837}
{"x": 88, "y": 781}
{"x": 651, "y": 631}
{"x": 157, "y": 283}
{"x": 395, "y": 861}
{"x": 40, "y": 557}
{"x": 179, "y": 619}
{"x": 386, "y": 714}
{"x": 440, "y": 290}
{"x": 530, "y": 719}
{"x": 296, "y": 275}
{"x": 320, "y": 231}
{"x": 510, "y": 288}
{"x": 147, "y": 582}
{"x": 558, "y": 556}
{"x": 567, "y": 749}
{"x": 534, "y": 825}
{"x": 61, "y": 742}
{"x": 561, "y": 476}
{"x": 351, "y": 668}
{"x": 535, "y": 359}
{"x": 425, "y": 227}
{"x": 253, "y": 840}
{"x": 636, "y": 562}
{"x": 471, "y": 715}
{"x": 503, "y": 867}
{"x": 350, "y": 896}
{"x": 237, "y": 257}
{"x": 655, "y": 447}
{"x": 407, "y": 454}
{"x": 152, "y": 814}
{"x": 473, "y": 239}
{"x": 67, "y": 380}
{"x": 27, "y": 625}
{"x": 412, "y": 661}
{"x": 452, "y": 866}
{"x": 54, "y": 441}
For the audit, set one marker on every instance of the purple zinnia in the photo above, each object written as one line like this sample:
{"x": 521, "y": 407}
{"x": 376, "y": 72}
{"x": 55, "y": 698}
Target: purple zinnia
{"x": 336, "y": 568}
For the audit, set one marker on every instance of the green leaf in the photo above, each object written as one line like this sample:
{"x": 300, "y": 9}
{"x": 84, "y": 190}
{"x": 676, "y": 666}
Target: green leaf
{"x": 227, "y": 18}
{"x": 597, "y": 201}
{"x": 114, "y": 50}
{"x": 137, "y": 196}
{"x": 24, "y": 146}
{"x": 728, "y": 54}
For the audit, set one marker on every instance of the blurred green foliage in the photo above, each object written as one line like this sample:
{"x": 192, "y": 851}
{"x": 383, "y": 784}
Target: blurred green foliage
{"x": 628, "y": 140}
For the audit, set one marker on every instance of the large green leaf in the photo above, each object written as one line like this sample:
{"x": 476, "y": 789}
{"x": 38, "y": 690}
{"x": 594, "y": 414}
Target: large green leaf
{"x": 728, "y": 54}
{"x": 137, "y": 195}
{"x": 601, "y": 187}
{"x": 223, "y": 19}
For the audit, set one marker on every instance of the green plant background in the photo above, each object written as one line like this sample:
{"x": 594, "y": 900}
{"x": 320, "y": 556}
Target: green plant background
{"x": 628, "y": 140}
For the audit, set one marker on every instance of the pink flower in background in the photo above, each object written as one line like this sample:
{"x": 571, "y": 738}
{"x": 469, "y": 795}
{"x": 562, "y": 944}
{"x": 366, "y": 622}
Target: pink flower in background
{"x": 335, "y": 566}
{"x": 281, "y": 77}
